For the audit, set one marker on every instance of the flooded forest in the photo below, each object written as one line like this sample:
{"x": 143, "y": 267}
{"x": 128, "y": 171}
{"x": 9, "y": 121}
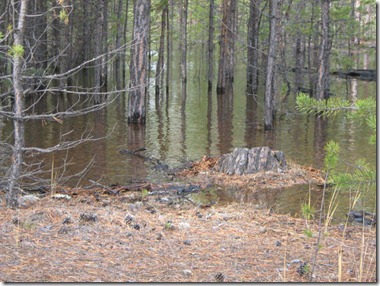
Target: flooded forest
{"x": 81, "y": 80}
{"x": 116, "y": 116}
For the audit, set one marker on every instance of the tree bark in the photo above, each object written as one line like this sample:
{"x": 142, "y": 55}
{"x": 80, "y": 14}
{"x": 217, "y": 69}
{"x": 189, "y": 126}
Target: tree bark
{"x": 249, "y": 161}
{"x": 36, "y": 35}
{"x": 118, "y": 43}
{"x": 270, "y": 78}
{"x": 168, "y": 49}
{"x": 123, "y": 58}
{"x": 138, "y": 64}
{"x": 210, "y": 45}
{"x": 323, "y": 83}
{"x": 253, "y": 47}
{"x": 227, "y": 47}
{"x": 299, "y": 61}
{"x": 104, "y": 46}
{"x": 18, "y": 122}
{"x": 183, "y": 42}
{"x": 98, "y": 49}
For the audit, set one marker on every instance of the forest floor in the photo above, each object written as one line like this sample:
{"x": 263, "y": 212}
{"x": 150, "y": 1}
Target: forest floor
{"x": 103, "y": 235}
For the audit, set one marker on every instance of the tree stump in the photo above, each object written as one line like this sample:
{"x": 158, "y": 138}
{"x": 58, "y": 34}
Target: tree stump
{"x": 249, "y": 161}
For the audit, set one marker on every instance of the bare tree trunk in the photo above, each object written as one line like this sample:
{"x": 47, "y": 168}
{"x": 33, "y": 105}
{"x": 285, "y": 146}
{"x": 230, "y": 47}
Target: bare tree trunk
{"x": 312, "y": 42}
{"x": 283, "y": 67}
{"x": 253, "y": 47}
{"x": 118, "y": 43}
{"x": 269, "y": 82}
{"x": 18, "y": 122}
{"x": 64, "y": 50}
{"x": 227, "y": 47}
{"x": 183, "y": 42}
{"x": 36, "y": 36}
{"x": 4, "y": 15}
{"x": 123, "y": 58}
{"x": 168, "y": 49}
{"x": 299, "y": 61}
{"x": 210, "y": 44}
{"x": 161, "y": 51}
{"x": 86, "y": 31}
{"x": 104, "y": 46}
{"x": 323, "y": 83}
{"x": 138, "y": 65}
{"x": 98, "y": 48}
{"x": 299, "y": 52}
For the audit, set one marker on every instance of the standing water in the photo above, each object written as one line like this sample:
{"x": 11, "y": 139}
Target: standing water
{"x": 202, "y": 123}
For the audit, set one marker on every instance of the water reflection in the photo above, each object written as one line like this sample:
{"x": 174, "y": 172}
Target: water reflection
{"x": 225, "y": 117}
{"x": 320, "y": 139}
{"x": 209, "y": 120}
{"x": 188, "y": 125}
{"x": 135, "y": 140}
{"x": 183, "y": 120}
{"x": 286, "y": 200}
{"x": 251, "y": 121}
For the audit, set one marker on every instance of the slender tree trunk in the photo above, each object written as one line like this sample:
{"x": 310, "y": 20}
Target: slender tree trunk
{"x": 210, "y": 44}
{"x": 227, "y": 47}
{"x": 183, "y": 42}
{"x": 118, "y": 43}
{"x": 283, "y": 67}
{"x": 311, "y": 42}
{"x": 86, "y": 31}
{"x": 5, "y": 16}
{"x": 104, "y": 44}
{"x": 98, "y": 49}
{"x": 123, "y": 58}
{"x": 299, "y": 61}
{"x": 64, "y": 50}
{"x": 138, "y": 65}
{"x": 253, "y": 47}
{"x": 270, "y": 78}
{"x": 168, "y": 50}
{"x": 299, "y": 52}
{"x": 36, "y": 35}
{"x": 315, "y": 49}
{"x": 18, "y": 122}
{"x": 323, "y": 83}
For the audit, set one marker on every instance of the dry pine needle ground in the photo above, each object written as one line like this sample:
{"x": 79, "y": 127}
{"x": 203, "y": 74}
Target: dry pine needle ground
{"x": 135, "y": 238}
{"x": 87, "y": 240}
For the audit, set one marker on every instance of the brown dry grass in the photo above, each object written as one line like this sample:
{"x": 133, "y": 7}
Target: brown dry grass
{"x": 62, "y": 241}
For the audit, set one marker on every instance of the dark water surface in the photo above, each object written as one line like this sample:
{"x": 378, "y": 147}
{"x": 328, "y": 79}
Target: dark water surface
{"x": 186, "y": 128}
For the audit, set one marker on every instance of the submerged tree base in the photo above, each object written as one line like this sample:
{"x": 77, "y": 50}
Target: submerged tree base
{"x": 206, "y": 170}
